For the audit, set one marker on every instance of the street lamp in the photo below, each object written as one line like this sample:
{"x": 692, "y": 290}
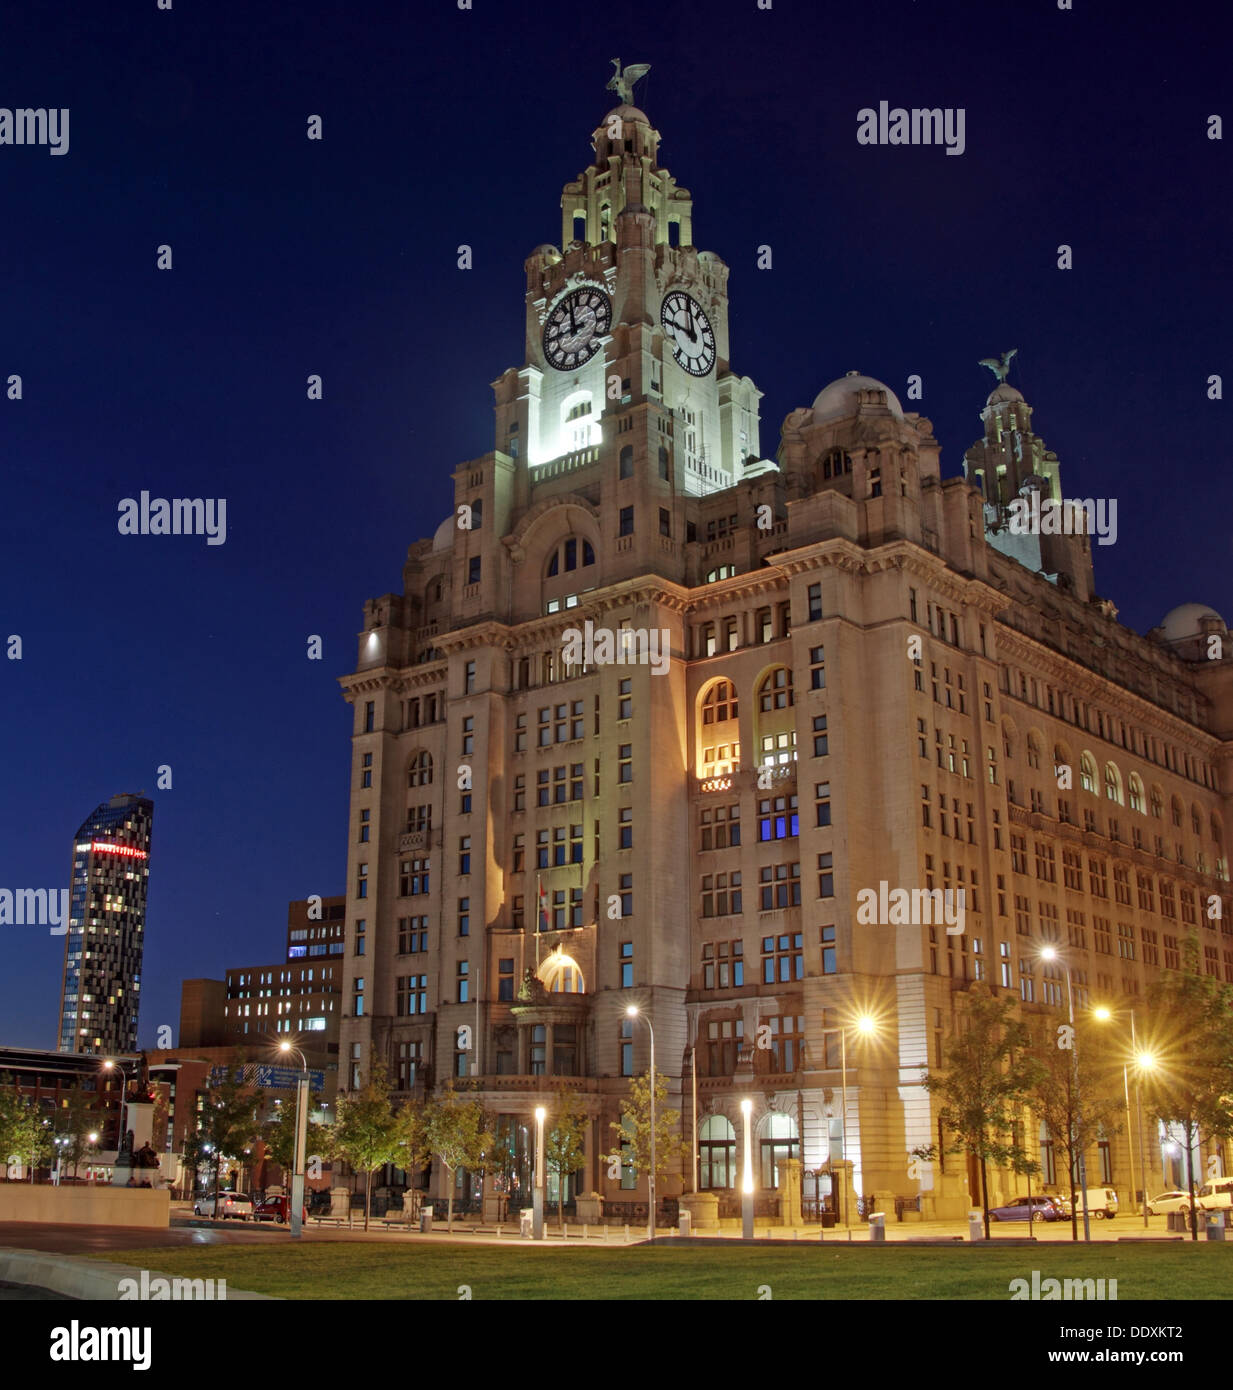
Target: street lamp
{"x": 124, "y": 1159}
{"x": 866, "y": 1025}
{"x": 1142, "y": 1061}
{"x": 296, "y": 1215}
{"x": 747, "y": 1179}
{"x": 633, "y": 1012}
{"x": 537, "y": 1200}
{"x": 1050, "y": 953}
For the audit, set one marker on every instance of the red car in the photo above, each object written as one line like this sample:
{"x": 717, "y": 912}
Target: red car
{"x": 276, "y": 1209}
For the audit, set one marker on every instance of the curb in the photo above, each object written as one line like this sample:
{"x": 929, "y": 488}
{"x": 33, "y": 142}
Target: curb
{"x": 93, "y": 1281}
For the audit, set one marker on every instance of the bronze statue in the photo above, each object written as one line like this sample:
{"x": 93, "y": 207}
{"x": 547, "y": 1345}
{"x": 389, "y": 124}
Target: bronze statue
{"x": 622, "y": 81}
{"x": 999, "y": 369}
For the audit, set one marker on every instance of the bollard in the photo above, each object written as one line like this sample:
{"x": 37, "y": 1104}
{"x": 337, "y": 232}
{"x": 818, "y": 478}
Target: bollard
{"x": 877, "y": 1225}
{"x": 585, "y": 1230}
{"x": 684, "y": 1223}
{"x": 627, "y": 1231}
{"x": 976, "y": 1226}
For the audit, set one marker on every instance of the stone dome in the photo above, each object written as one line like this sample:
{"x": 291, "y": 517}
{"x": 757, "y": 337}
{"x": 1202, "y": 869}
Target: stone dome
{"x": 1003, "y": 392}
{"x": 1183, "y": 621}
{"x": 627, "y": 113}
{"x": 443, "y": 536}
{"x": 840, "y": 399}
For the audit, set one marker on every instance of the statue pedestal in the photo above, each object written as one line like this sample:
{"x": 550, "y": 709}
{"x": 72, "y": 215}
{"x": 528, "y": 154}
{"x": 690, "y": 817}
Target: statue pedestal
{"x": 790, "y": 1191}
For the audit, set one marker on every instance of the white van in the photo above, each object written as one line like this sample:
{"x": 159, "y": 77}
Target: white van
{"x": 1216, "y": 1195}
{"x": 1101, "y": 1203}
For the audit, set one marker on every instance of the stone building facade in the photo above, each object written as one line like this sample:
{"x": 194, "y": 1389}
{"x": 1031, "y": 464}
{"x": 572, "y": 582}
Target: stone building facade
{"x": 840, "y": 670}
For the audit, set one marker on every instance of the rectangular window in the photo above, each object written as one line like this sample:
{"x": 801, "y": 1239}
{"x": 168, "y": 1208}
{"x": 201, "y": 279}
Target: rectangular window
{"x": 625, "y": 827}
{"x": 625, "y": 763}
{"x": 412, "y": 935}
{"x": 777, "y": 818}
{"x": 411, "y": 995}
{"x": 780, "y": 886}
{"x": 366, "y": 770}
{"x": 826, "y": 876}
{"x": 665, "y": 522}
{"x": 464, "y": 982}
{"x": 505, "y": 979}
{"x": 783, "y": 958}
{"x": 625, "y": 699}
{"x": 370, "y": 715}
{"x": 828, "y": 951}
{"x": 627, "y": 895}
{"x": 473, "y": 570}
{"x": 817, "y": 668}
{"x": 464, "y": 916}
{"x": 626, "y": 522}
{"x": 413, "y": 877}
{"x": 815, "y": 602}
{"x": 464, "y": 854}
{"x": 721, "y": 894}
{"x": 821, "y": 740}
{"x": 822, "y": 802}
{"x": 627, "y": 965}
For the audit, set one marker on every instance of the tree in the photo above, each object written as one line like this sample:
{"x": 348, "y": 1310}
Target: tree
{"x": 368, "y": 1132}
{"x": 74, "y": 1123}
{"x": 229, "y": 1117}
{"x": 459, "y": 1133}
{"x": 987, "y": 1078}
{"x": 278, "y": 1136}
{"x": 634, "y": 1128}
{"x": 1190, "y": 1087}
{"x": 565, "y": 1143}
{"x": 1070, "y": 1092}
{"x": 192, "y": 1158}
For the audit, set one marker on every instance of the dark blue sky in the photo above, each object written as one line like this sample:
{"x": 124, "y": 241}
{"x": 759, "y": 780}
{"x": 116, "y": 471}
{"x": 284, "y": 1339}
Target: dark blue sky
{"x": 338, "y": 257}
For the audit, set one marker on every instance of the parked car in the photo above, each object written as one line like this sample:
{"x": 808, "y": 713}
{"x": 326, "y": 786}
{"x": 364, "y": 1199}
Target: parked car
{"x": 1216, "y": 1195}
{"x": 1038, "y": 1207}
{"x": 276, "y": 1209}
{"x": 235, "y": 1204}
{"x": 1173, "y": 1200}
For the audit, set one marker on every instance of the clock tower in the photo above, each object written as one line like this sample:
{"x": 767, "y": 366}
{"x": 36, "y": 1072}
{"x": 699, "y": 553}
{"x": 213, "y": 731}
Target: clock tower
{"x": 626, "y": 352}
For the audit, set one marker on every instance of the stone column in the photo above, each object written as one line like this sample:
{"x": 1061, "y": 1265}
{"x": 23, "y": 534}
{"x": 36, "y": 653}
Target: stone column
{"x": 790, "y": 1192}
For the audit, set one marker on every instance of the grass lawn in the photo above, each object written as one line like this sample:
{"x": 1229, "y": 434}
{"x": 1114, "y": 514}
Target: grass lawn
{"x": 338, "y": 1269}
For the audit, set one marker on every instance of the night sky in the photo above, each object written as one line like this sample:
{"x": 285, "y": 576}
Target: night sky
{"x": 338, "y": 257}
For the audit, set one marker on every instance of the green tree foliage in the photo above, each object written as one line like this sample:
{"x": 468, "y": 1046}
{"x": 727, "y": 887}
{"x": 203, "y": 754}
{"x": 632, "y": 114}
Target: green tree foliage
{"x": 459, "y": 1133}
{"x": 369, "y": 1132}
{"x": 1075, "y": 1091}
{"x": 565, "y": 1142}
{"x": 230, "y": 1117}
{"x": 1190, "y": 1087}
{"x": 988, "y": 1077}
{"x": 278, "y": 1135}
{"x": 634, "y": 1128}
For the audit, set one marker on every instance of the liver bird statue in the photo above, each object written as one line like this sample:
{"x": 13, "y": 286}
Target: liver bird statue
{"x": 622, "y": 80}
{"x": 999, "y": 369}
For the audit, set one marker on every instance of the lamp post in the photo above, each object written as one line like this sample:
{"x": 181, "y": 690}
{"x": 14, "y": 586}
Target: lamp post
{"x": 747, "y": 1179}
{"x": 866, "y": 1025}
{"x": 1144, "y": 1061}
{"x": 634, "y": 1012}
{"x": 296, "y": 1215}
{"x": 537, "y": 1199}
{"x": 1050, "y": 953}
{"x": 123, "y": 1168}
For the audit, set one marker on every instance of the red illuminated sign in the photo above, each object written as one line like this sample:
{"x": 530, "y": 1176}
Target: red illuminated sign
{"x": 98, "y": 847}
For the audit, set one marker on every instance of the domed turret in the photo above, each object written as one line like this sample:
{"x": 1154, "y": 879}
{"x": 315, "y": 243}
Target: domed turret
{"x": 1187, "y": 620}
{"x": 844, "y": 397}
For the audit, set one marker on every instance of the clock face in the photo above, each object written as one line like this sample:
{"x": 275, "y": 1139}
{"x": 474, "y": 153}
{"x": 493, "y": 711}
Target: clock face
{"x": 688, "y": 329}
{"x": 574, "y": 328}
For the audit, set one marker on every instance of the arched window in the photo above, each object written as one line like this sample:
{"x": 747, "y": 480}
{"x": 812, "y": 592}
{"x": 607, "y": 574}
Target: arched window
{"x": 1113, "y": 783}
{"x": 574, "y": 552}
{"x": 836, "y": 464}
{"x": 1196, "y": 819}
{"x": 561, "y": 974}
{"x": 775, "y": 691}
{"x": 626, "y": 465}
{"x": 778, "y": 1141}
{"x": 419, "y": 769}
{"x": 719, "y": 736}
{"x": 1033, "y": 750}
{"x": 1087, "y": 773}
{"x": 1136, "y": 794}
{"x": 1177, "y": 810}
{"x": 717, "y": 1153}
{"x": 1157, "y": 801}
{"x": 776, "y": 732}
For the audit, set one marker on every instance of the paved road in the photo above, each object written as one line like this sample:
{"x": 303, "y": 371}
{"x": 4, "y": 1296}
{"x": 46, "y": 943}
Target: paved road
{"x": 23, "y": 1293}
